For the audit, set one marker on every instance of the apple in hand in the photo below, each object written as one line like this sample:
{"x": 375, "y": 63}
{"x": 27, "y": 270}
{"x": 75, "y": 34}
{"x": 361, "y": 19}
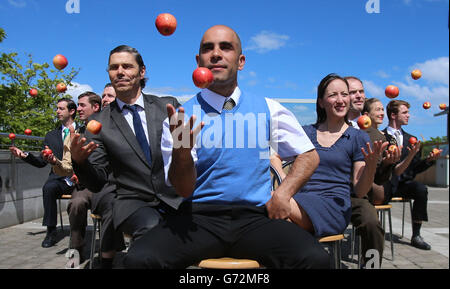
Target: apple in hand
{"x": 426, "y": 105}
{"x": 391, "y": 91}
{"x": 436, "y": 151}
{"x": 202, "y": 77}
{"x": 33, "y": 92}
{"x": 94, "y": 127}
{"x": 28, "y": 131}
{"x": 47, "y": 152}
{"x": 166, "y": 24}
{"x": 61, "y": 87}
{"x": 12, "y": 136}
{"x": 442, "y": 106}
{"x": 416, "y": 74}
{"x": 412, "y": 140}
{"x": 392, "y": 148}
{"x": 60, "y": 61}
{"x": 364, "y": 122}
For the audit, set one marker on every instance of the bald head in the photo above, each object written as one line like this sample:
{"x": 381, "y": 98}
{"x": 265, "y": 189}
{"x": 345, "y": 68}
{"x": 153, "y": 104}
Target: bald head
{"x": 222, "y": 29}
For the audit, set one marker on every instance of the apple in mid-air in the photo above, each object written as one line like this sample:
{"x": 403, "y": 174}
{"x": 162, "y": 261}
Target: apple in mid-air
{"x": 442, "y": 106}
{"x": 412, "y": 140}
{"x": 364, "y": 122}
{"x": 391, "y": 91}
{"x": 94, "y": 127}
{"x": 33, "y": 92}
{"x": 416, "y": 74}
{"x": 28, "y": 131}
{"x": 166, "y": 24}
{"x": 60, "y": 61}
{"x": 12, "y": 136}
{"x": 202, "y": 77}
{"x": 61, "y": 87}
{"x": 426, "y": 105}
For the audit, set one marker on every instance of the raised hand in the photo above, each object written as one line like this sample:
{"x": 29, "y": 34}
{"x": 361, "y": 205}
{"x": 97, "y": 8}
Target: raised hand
{"x": 17, "y": 152}
{"x": 392, "y": 157}
{"x": 49, "y": 158}
{"x": 373, "y": 155}
{"x": 79, "y": 151}
{"x": 184, "y": 137}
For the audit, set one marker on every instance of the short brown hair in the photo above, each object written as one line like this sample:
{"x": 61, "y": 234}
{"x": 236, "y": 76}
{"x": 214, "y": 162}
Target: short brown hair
{"x": 353, "y": 77}
{"x": 393, "y": 106}
{"x": 368, "y": 103}
{"x": 93, "y": 98}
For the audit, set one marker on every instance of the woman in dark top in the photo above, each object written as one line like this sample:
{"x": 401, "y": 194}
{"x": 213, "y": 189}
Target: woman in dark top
{"x": 323, "y": 205}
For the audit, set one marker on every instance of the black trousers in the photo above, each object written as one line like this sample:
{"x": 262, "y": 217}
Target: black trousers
{"x": 417, "y": 192}
{"x": 52, "y": 190}
{"x": 141, "y": 221}
{"x": 199, "y": 231}
{"x": 365, "y": 219}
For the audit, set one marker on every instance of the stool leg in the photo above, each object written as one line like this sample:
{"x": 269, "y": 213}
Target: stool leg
{"x": 100, "y": 241}
{"x": 359, "y": 251}
{"x": 390, "y": 234}
{"x": 60, "y": 215}
{"x": 352, "y": 242}
{"x": 93, "y": 244}
{"x": 403, "y": 220}
{"x": 336, "y": 253}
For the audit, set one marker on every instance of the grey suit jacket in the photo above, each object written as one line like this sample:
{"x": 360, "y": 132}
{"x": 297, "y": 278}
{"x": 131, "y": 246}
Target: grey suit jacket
{"x": 137, "y": 182}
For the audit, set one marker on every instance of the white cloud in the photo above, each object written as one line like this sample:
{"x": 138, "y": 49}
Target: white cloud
{"x": 18, "y": 3}
{"x": 75, "y": 89}
{"x": 266, "y": 41}
{"x": 435, "y": 94}
{"x": 382, "y": 74}
{"x": 372, "y": 89}
{"x": 434, "y": 70}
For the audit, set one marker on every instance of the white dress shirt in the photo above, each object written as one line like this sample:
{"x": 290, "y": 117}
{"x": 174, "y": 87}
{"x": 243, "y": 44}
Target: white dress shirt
{"x": 129, "y": 115}
{"x": 397, "y": 134}
{"x": 287, "y": 136}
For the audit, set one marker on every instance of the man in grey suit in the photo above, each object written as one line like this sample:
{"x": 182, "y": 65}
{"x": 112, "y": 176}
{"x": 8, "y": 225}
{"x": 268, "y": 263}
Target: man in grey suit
{"x": 129, "y": 146}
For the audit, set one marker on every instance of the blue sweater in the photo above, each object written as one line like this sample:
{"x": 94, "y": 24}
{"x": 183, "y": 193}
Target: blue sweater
{"x": 232, "y": 150}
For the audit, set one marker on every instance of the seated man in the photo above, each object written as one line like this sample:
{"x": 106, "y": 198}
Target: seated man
{"x": 224, "y": 176}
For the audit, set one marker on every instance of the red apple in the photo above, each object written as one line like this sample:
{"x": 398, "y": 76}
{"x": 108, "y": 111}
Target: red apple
{"x": 364, "y": 122}
{"x": 392, "y": 148}
{"x": 426, "y": 105}
{"x": 60, "y": 61}
{"x": 94, "y": 127}
{"x": 47, "y": 152}
{"x": 391, "y": 91}
{"x": 33, "y": 92}
{"x": 12, "y": 136}
{"x": 28, "y": 131}
{"x": 416, "y": 74}
{"x": 166, "y": 24}
{"x": 61, "y": 87}
{"x": 442, "y": 106}
{"x": 412, "y": 140}
{"x": 202, "y": 77}
{"x": 436, "y": 151}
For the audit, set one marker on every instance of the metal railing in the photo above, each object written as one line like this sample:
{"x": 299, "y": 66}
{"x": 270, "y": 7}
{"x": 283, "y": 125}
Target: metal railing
{"x": 25, "y": 145}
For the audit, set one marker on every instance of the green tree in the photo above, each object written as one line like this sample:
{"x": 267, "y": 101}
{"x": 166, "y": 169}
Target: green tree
{"x": 18, "y": 110}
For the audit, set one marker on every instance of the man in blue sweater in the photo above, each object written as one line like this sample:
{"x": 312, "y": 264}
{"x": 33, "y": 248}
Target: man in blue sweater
{"x": 218, "y": 161}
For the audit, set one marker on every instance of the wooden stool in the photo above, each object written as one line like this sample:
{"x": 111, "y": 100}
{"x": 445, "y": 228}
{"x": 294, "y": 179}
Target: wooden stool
{"x": 403, "y": 200}
{"x": 381, "y": 210}
{"x": 95, "y": 219}
{"x": 228, "y": 263}
{"x": 63, "y": 197}
{"x": 336, "y": 241}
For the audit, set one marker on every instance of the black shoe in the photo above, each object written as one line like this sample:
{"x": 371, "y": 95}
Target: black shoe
{"x": 49, "y": 241}
{"x": 418, "y": 242}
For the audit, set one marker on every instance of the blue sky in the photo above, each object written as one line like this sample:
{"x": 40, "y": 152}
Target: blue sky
{"x": 290, "y": 45}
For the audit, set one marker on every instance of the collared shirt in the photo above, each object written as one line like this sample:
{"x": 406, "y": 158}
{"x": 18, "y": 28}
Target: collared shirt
{"x": 392, "y": 131}
{"x": 63, "y": 127}
{"x": 287, "y": 136}
{"x": 354, "y": 122}
{"x": 129, "y": 115}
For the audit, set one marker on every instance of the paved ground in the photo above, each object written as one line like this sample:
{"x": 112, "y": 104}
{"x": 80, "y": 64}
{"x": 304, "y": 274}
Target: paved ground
{"x": 20, "y": 245}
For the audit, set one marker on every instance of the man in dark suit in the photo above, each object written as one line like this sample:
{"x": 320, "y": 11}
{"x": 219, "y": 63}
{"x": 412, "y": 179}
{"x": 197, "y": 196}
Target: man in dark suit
{"x": 55, "y": 185}
{"x": 402, "y": 183}
{"x": 129, "y": 146}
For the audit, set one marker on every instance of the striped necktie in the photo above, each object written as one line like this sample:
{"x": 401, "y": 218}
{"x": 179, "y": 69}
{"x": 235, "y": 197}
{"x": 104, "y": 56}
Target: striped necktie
{"x": 229, "y": 104}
